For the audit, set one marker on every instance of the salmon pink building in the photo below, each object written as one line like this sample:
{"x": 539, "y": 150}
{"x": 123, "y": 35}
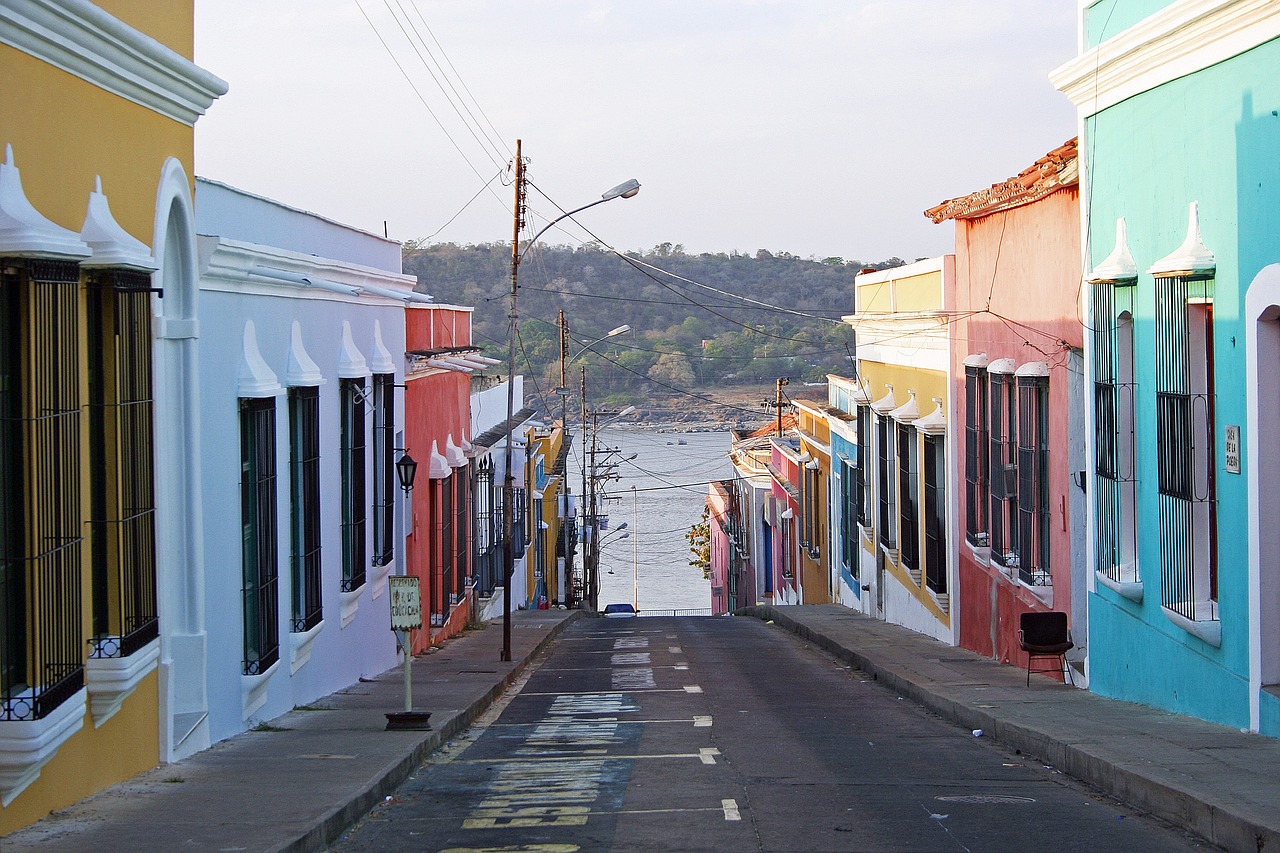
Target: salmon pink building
{"x": 437, "y": 403}
{"x": 1019, "y": 392}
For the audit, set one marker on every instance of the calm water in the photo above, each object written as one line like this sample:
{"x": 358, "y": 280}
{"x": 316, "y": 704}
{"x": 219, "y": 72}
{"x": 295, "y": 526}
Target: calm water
{"x": 656, "y": 554}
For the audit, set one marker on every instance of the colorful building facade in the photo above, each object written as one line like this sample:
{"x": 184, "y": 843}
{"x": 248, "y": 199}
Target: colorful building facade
{"x": 1018, "y": 391}
{"x": 98, "y": 519}
{"x": 1177, "y": 104}
{"x": 896, "y": 483}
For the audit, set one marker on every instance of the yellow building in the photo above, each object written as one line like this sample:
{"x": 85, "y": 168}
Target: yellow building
{"x": 894, "y": 512}
{"x": 813, "y": 537}
{"x": 97, "y": 653}
{"x": 545, "y": 568}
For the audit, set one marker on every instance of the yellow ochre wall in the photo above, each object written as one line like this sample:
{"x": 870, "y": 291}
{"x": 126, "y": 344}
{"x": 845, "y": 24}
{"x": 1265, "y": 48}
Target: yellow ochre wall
{"x": 65, "y": 131}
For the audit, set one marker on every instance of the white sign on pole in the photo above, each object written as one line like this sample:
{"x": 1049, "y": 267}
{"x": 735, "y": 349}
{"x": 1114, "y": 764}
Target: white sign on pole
{"x": 406, "y": 603}
{"x": 1233, "y": 449}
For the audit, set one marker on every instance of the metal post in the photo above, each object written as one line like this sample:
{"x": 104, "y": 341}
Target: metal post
{"x": 508, "y": 482}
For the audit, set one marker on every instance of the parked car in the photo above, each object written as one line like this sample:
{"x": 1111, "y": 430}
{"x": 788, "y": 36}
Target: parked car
{"x": 618, "y": 611}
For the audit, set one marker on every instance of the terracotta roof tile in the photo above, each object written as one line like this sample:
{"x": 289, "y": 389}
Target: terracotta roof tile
{"x": 1058, "y": 168}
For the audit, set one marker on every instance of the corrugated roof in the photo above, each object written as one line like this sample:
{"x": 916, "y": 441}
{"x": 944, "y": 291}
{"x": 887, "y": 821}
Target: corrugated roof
{"x": 493, "y": 435}
{"x": 1059, "y": 168}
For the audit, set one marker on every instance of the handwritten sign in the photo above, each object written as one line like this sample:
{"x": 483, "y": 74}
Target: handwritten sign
{"x": 406, "y": 602}
{"x": 1233, "y": 449}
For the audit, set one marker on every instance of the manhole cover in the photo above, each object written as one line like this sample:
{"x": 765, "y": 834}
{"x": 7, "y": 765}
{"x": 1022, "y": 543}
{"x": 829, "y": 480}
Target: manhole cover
{"x": 985, "y": 799}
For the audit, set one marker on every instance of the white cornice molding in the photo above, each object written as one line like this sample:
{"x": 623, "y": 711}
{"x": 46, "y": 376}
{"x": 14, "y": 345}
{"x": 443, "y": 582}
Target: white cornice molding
{"x": 229, "y": 265}
{"x": 1182, "y": 38}
{"x": 83, "y": 40}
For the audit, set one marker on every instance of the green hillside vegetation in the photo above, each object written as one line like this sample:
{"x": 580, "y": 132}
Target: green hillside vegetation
{"x": 684, "y": 338}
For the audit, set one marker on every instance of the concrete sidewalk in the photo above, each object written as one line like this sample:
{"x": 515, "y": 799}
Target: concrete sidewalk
{"x": 1216, "y": 781}
{"x": 301, "y": 781}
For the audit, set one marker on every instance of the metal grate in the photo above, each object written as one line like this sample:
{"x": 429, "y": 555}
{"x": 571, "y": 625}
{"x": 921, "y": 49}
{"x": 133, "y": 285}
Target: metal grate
{"x": 41, "y": 644}
{"x": 354, "y": 560}
{"x": 304, "y": 471}
{"x": 1003, "y": 429}
{"x": 885, "y": 481}
{"x": 384, "y": 475}
{"x": 1185, "y": 433}
{"x": 121, "y": 452}
{"x": 977, "y": 490}
{"x": 935, "y": 513}
{"x": 1033, "y": 480}
{"x": 909, "y": 498}
{"x": 258, "y": 523}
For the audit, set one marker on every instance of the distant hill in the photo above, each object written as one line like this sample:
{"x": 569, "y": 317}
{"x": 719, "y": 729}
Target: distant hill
{"x": 735, "y": 319}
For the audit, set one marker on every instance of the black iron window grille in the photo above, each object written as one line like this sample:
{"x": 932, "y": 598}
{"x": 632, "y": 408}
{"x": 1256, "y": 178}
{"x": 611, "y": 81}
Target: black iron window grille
{"x": 446, "y": 547}
{"x": 1033, "y": 480}
{"x": 1114, "y": 481}
{"x": 1003, "y": 428}
{"x": 849, "y": 518}
{"x": 485, "y": 536}
{"x": 258, "y": 526}
{"x": 384, "y": 469}
{"x": 519, "y": 532}
{"x": 935, "y": 513}
{"x": 354, "y": 560}
{"x": 909, "y": 498}
{"x": 976, "y": 466}
{"x": 862, "y": 494}
{"x": 1185, "y": 429}
{"x": 462, "y": 552}
{"x": 886, "y": 481}
{"x": 42, "y": 635}
{"x": 121, "y": 455}
{"x": 304, "y": 507}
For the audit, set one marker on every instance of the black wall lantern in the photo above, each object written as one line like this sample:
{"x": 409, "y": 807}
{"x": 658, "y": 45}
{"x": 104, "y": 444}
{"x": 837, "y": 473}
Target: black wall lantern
{"x": 406, "y": 470}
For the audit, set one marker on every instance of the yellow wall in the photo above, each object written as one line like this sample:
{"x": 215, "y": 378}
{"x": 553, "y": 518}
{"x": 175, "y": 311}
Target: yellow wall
{"x": 79, "y": 131}
{"x": 93, "y": 759}
{"x": 172, "y": 24}
{"x": 921, "y": 292}
{"x": 65, "y": 131}
{"x": 926, "y": 383}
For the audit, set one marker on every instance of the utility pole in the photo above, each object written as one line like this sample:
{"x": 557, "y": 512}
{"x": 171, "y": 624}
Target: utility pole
{"x": 586, "y": 546}
{"x": 777, "y": 403}
{"x": 508, "y": 483}
{"x": 593, "y": 590}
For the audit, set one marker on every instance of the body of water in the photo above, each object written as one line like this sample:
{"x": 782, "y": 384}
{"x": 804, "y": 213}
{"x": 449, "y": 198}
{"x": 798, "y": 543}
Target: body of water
{"x": 669, "y": 476}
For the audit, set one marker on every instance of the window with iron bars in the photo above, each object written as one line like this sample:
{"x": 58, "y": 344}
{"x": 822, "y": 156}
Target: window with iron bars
{"x": 384, "y": 470}
{"x": 1033, "y": 480}
{"x": 849, "y": 517}
{"x": 354, "y": 559}
{"x": 935, "y": 513}
{"x": 446, "y": 546}
{"x": 976, "y": 438}
{"x": 862, "y": 494}
{"x": 886, "y": 481}
{"x": 41, "y": 634}
{"x": 1114, "y": 480}
{"x": 260, "y": 593}
{"x": 1185, "y": 417}
{"x": 121, "y": 475}
{"x": 485, "y": 538}
{"x": 1003, "y": 427}
{"x": 909, "y": 498}
{"x": 304, "y": 507}
{"x": 462, "y": 553}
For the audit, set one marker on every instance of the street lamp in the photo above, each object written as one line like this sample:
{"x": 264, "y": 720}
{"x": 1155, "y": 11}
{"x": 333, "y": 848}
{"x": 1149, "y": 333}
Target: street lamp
{"x": 406, "y": 471}
{"x": 626, "y": 189}
{"x": 591, "y": 555}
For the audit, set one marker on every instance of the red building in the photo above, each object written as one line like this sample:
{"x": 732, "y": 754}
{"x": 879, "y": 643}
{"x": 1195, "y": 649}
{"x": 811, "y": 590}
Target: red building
{"x": 441, "y": 359}
{"x": 1017, "y": 359}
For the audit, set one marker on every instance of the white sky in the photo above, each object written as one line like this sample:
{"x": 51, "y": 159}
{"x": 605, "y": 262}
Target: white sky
{"x": 817, "y": 127}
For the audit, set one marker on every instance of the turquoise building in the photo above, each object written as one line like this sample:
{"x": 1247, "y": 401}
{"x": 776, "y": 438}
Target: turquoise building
{"x": 1179, "y": 107}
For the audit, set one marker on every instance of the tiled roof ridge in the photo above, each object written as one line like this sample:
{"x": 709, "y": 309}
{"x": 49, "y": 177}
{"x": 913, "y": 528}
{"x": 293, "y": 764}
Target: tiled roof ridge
{"x": 790, "y": 420}
{"x": 1058, "y": 168}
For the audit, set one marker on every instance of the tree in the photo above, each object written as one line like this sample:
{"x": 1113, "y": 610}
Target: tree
{"x": 699, "y": 537}
{"x": 673, "y": 369}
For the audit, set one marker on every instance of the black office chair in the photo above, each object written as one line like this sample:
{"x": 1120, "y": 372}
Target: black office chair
{"x": 1045, "y": 635}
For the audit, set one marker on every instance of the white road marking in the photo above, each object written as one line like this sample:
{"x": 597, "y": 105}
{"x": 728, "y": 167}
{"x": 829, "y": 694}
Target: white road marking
{"x": 675, "y": 650}
{"x": 692, "y": 688}
{"x": 701, "y": 722}
{"x": 708, "y": 754}
{"x": 730, "y": 808}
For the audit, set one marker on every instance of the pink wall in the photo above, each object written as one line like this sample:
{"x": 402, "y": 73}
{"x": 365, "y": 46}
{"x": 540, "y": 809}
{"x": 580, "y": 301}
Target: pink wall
{"x": 1020, "y": 272}
{"x": 716, "y": 503}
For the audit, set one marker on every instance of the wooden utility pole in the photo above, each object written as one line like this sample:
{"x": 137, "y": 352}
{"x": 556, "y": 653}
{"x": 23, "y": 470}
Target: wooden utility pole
{"x": 778, "y": 403}
{"x": 508, "y": 483}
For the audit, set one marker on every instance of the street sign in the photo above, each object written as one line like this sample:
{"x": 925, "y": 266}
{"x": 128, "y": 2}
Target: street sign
{"x": 406, "y": 603}
{"x": 1233, "y": 449}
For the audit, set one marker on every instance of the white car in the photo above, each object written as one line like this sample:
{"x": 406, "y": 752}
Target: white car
{"x": 618, "y": 611}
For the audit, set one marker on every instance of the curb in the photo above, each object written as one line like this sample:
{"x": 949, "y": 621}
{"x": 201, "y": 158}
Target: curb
{"x": 1213, "y": 822}
{"x": 344, "y": 815}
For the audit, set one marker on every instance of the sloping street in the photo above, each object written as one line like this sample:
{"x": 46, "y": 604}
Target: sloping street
{"x": 725, "y": 734}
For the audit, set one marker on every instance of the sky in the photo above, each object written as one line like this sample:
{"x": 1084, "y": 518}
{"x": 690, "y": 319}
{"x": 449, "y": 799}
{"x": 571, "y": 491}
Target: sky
{"x": 822, "y": 128}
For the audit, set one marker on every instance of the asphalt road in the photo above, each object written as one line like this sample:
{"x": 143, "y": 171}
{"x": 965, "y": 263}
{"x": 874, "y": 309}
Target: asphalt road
{"x": 724, "y": 734}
